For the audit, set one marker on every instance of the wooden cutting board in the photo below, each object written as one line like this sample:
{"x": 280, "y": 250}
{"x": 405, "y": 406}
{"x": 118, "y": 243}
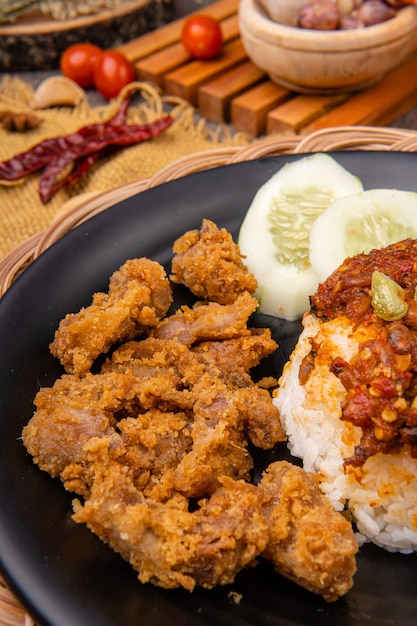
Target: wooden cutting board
{"x": 231, "y": 89}
{"x": 35, "y": 41}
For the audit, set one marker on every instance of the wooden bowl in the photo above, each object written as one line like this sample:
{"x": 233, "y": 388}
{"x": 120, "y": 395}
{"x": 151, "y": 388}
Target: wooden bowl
{"x": 326, "y": 62}
{"x": 283, "y": 12}
{"x": 286, "y": 11}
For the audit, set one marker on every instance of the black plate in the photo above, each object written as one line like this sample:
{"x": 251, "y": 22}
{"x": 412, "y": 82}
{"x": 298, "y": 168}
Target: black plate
{"x": 63, "y": 574}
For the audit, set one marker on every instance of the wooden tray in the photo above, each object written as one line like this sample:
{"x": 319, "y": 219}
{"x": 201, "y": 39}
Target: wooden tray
{"x": 232, "y": 89}
{"x": 36, "y": 41}
{"x": 83, "y": 207}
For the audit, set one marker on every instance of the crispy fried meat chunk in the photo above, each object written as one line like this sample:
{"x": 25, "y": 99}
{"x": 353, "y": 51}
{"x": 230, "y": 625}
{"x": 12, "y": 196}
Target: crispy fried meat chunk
{"x": 218, "y": 366}
{"x": 284, "y": 519}
{"x": 169, "y": 545}
{"x": 70, "y": 414}
{"x": 139, "y": 296}
{"x": 219, "y": 442}
{"x": 232, "y": 359}
{"x": 137, "y": 426}
{"x": 156, "y": 442}
{"x": 149, "y": 377}
{"x": 309, "y": 542}
{"x": 209, "y": 263}
{"x": 138, "y": 473}
{"x": 205, "y": 322}
{"x": 262, "y": 418}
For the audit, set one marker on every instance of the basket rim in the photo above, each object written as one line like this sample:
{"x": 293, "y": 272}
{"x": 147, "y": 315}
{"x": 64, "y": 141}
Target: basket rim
{"x": 86, "y": 205}
{"x": 81, "y": 208}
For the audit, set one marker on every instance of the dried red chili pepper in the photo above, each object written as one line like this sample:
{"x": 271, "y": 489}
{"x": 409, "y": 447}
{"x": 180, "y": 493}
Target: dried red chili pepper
{"x": 41, "y": 154}
{"x": 80, "y": 170}
{"x": 81, "y": 150}
{"x": 121, "y": 135}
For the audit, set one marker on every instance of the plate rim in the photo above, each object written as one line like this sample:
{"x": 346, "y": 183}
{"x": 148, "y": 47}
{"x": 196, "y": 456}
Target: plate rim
{"x": 22, "y": 278}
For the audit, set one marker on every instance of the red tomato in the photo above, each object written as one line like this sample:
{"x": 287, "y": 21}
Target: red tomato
{"x": 77, "y": 62}
{"x": 112, "y": 71}
{"x": 202, "y": 36}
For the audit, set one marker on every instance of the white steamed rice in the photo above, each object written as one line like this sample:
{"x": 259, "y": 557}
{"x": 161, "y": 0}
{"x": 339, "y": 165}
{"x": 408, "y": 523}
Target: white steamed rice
{"x": 382, "y": 496}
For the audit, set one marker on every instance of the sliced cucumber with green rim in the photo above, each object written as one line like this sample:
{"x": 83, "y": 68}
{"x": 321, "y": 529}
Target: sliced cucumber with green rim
{"x": 275, "y": 234}
{"x": 359, "y": 223}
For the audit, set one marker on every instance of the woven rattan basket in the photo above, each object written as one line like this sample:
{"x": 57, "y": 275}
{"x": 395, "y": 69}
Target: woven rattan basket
{"x": 87, "y": 205}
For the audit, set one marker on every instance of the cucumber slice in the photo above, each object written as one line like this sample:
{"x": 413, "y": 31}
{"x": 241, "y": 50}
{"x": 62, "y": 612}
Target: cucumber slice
{"x": 274, "y": 236}
{"x": 359, "y": 223}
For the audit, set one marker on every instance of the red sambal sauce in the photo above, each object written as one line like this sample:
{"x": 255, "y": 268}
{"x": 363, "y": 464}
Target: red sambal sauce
{"x": 381, "y": 380}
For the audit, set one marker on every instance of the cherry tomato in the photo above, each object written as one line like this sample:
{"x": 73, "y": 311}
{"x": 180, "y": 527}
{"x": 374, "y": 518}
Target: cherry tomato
{"x": 77, "y": 63}
{"x": 111, "y": 72}
{"x": 202, "y": 36}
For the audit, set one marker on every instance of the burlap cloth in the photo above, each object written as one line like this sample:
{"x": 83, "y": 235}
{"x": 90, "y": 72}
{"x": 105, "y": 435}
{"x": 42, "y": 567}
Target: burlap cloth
{"x": 22, "y": 213}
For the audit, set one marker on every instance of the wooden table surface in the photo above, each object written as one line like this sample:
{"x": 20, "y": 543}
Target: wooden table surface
{"x": 233, "y": 90}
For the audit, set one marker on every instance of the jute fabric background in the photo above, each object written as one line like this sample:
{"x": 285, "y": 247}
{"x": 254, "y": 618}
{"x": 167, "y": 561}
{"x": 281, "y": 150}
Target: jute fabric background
{"x": 22, "y": 213}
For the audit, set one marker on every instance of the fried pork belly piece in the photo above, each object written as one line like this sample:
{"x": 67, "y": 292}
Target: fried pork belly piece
{"x": 153, "y": 377}
{"x": 167, "y": 544}
{"x": 156, "y": 442}
{"x": 68, "y": 415}
{"x": 202, "y": 367}
{"x": 285, "y": 519}
{"x": 219, "y": 443}
{"x": 137, "y": 475}
{"x": 232, "y": 359}
{"x": 139, "y": 296}
{"x": 262, "y": 419}
{"x": 212, "y": 408}
{"x": 209, "y": 263}
{"x": 206, "y": 322}
{"x": 77, "y": 414}
{"x": 309, "y": 542}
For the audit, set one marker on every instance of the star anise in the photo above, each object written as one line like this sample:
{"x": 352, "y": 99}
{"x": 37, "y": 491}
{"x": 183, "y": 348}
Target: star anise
{"x": 18, "y": 122}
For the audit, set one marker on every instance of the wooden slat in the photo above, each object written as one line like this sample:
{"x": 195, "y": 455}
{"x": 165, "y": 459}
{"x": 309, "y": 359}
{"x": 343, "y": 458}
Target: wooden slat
{"x": 298, "y": 112}
{"x": 154, "y": 67}
{"x": 379, "y": 104}
{"x": 231, "y": 88}
{"x": 171, "y": 33}
{"x": 249, "y": 111}
{"x": 185, "y": 81}
{"x": 214, "y": 98}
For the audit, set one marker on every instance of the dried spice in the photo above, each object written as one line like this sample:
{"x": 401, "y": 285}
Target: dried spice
{"x": 42, "y": 153}
{"x": 18, "y": 122}
{"x": 77, "y": 152}
{"x": 57, "y": 90}
{"x": 111, "y": 137}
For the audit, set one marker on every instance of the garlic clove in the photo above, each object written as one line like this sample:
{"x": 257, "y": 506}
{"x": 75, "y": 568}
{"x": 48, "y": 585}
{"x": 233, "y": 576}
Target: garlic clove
{"x": 347, "y": 6}
{"x": 55, "y": 91}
